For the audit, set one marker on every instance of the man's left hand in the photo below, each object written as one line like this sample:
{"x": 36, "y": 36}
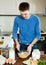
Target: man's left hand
{"x": 29, "y": 48}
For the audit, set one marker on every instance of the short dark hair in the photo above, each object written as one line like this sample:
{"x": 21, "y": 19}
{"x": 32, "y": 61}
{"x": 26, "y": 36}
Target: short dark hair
{"x": 24, "y": 6}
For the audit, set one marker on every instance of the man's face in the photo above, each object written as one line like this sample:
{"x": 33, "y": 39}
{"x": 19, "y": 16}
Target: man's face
{"x": 25, "y": 14}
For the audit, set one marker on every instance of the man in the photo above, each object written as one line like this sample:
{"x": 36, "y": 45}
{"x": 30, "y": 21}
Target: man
{"x": 29, "y": 29}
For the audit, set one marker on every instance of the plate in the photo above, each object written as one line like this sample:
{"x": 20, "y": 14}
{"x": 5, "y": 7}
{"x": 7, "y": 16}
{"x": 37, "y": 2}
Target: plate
{"x": 30, "y": 61}
{"x": 27, "y": 61}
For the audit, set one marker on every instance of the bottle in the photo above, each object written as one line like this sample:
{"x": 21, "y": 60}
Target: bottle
{"x": 12, "y": 53}
{"x": 36, "y": 54}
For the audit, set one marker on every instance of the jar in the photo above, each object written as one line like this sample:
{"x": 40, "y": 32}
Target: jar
{"x": 36, "y": 54}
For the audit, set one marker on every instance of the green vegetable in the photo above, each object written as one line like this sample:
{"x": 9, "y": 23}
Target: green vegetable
{"x": 44, "y": 62}
{"x": 40, "y": 62}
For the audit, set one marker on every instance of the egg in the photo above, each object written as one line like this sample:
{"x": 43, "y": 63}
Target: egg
{"x": 9, "y": 60}
{"x": 6, "y": 60}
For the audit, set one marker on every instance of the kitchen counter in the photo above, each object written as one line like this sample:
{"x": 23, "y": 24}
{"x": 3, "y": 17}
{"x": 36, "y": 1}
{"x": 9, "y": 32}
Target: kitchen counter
{"x": 19, "y": 61}
{"x": 43, "y": 33}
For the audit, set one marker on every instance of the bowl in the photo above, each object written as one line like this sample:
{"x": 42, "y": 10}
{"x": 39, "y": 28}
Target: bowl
{"x": 23, "y": 54}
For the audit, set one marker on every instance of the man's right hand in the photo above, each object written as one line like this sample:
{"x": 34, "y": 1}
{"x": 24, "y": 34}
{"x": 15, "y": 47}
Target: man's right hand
{"x": 18, "y": 46}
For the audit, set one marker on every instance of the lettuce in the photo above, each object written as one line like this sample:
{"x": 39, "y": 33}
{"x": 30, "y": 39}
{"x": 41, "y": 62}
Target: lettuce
{"x": 40, "y": 62}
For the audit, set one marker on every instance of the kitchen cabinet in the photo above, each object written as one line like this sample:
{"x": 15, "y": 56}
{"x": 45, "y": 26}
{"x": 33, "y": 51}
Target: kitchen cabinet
{"x": 11, "y": 7}
{"x": 38, "y": 6}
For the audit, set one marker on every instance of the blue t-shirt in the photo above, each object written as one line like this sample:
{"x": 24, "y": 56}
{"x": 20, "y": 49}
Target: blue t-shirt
{"x": 29, "y": 29}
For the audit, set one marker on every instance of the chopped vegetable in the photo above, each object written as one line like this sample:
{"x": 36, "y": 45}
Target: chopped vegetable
{"x": 33, "y": 62}
{"x": 40, "y": 62}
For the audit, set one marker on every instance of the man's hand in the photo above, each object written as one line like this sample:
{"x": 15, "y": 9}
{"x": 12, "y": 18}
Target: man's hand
{"x": 18, "y": 46}
{"x": 29, "y": 48}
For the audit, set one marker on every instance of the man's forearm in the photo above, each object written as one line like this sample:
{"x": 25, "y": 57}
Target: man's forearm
{"x": 33, "y": 42}
{"x": 16, "y": 41}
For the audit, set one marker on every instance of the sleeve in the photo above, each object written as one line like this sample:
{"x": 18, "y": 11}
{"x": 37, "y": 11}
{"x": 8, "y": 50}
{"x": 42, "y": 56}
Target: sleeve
{"x": 15, "y": 28}
{"x": 38, "y": 29}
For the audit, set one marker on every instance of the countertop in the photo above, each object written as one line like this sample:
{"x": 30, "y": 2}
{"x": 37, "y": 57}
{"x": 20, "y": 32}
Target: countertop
{"x": 20, "y": 61}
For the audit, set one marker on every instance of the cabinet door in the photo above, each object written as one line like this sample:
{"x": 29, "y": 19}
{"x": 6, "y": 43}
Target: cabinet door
{"x": 37, "y": 6}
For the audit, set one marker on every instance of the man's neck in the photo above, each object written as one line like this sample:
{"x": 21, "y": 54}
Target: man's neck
{"x": 28, "y": 16}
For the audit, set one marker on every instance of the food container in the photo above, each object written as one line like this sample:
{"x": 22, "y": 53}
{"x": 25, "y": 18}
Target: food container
{"x": 36, "y": 54}
{"x": 11, "y": 58}
{"x": 23, "y": 54}
{"x": 12, "y": 53}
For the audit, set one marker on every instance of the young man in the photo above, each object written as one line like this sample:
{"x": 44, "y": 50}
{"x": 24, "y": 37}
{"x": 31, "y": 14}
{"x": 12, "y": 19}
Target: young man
{"x": 29, "y": 29}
